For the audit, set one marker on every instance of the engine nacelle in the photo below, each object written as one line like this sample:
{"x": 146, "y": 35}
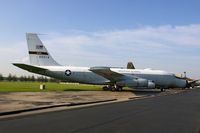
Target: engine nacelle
{"x": 151, "y": 85}
{"x": 137, "y": 83}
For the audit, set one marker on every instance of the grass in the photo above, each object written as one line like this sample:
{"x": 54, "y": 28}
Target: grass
{"x": 35, "y": 87}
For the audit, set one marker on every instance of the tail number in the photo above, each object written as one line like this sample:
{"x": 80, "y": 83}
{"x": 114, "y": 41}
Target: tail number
{"x": 39, "y": 46}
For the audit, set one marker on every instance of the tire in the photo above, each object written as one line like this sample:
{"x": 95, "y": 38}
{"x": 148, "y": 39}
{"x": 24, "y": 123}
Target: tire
{"x": 105, "y": 88}
{"x": 120, "y": 89}
{"x": 162, "y": 90}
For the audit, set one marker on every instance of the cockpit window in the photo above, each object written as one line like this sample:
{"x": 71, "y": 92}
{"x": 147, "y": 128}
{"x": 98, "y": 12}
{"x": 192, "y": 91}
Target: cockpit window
{"x": 178, "y": 76}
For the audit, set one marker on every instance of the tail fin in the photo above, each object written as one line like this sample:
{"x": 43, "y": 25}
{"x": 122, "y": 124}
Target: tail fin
{"x": 38, "y": 54}
{"x": 130, "y": 65}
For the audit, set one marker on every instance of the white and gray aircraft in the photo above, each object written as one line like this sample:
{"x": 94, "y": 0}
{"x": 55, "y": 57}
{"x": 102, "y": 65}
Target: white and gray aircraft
{"x": 41, "y": 62}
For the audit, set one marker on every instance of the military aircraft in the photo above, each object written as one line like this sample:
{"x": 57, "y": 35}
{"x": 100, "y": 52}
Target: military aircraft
{"x": 114, "y": 78}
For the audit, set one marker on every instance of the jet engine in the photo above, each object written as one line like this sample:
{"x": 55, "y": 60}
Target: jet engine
{"x": 137, "y": 83}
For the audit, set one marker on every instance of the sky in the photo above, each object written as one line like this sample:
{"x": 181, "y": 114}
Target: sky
{"x": 158, "y": 34}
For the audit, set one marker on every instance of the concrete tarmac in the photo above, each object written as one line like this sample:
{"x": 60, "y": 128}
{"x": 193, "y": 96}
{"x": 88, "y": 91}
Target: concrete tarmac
{"x": 179, "y": 113}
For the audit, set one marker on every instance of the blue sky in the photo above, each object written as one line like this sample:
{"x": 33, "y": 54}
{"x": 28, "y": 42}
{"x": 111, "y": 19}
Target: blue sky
{"x": 161, "y": 34}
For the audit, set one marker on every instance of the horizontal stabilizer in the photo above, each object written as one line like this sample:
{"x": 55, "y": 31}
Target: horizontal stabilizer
{"x": 194, "y": 82}
{"x": 30, "y": 68}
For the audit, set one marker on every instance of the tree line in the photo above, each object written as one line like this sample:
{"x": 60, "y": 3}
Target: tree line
{"x": 32, "y": 78}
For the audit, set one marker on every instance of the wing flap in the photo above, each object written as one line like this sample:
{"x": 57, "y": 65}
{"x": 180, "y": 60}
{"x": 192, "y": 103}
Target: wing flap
{"x": 107, "y": 73}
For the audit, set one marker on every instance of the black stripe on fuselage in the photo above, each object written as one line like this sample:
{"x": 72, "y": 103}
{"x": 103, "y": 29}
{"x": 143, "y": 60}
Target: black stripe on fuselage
{"x": 38, "y": 53}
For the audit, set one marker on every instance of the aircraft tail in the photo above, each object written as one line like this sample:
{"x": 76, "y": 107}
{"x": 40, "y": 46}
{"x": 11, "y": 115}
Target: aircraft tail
{"x": 130, "y": 65}
{"x": 38, "y": 54}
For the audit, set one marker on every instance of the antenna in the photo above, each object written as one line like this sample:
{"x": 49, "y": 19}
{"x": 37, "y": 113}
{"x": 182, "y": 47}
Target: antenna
{"x": 184, "y": 74}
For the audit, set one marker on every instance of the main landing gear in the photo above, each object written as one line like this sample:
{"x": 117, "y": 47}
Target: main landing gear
{"x": 112, "y": 88}
{"x": 162, "y": 89}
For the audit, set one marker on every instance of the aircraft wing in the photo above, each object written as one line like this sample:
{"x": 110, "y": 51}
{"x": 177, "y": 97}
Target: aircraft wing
{"x": 107, "y": 73}
{"x": 30, "y": 68}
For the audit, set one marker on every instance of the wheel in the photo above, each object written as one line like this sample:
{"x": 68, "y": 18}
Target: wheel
{"x": 117, "y": 88}
{"x": 113, "y": 89}
{"x": 105, "y": 88}
{"x": 109, "y": 87}
{"x": 162, "y": 90}
{"x": 120, "y": 88}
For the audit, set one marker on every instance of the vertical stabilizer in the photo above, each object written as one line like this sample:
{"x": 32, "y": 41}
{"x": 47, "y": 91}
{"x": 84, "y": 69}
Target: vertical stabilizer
{"x": 130, "y": 65}
{"x": 38, "y": 54}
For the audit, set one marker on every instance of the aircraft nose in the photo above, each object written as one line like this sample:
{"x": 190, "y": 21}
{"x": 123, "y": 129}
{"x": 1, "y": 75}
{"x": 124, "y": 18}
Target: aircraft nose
{"x": 187, "y": 84}
{"x": 181, "y": 83}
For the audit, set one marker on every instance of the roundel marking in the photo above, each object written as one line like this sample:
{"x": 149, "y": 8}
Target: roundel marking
{"x": 68, "y": 72}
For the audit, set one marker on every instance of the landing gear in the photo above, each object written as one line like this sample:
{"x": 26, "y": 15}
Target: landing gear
{"x": 107, "y": 88}
{"x": 162, "y": 89}
{"x": 112, "y": 88}
{"x": 117, "y": 88}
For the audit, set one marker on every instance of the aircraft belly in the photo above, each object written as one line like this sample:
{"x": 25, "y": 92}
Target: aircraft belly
{"x": 89, "y": 77}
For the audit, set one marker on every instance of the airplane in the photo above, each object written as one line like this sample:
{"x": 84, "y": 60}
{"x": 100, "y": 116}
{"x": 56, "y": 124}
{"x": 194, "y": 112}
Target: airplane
{"x": 114, "y": 78}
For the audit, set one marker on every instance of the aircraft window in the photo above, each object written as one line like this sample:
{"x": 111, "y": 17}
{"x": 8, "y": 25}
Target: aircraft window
{"x": 178, "y": 76}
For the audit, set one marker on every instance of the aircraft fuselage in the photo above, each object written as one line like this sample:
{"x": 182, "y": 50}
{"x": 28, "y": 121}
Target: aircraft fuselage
{"x": 84, "y": 75}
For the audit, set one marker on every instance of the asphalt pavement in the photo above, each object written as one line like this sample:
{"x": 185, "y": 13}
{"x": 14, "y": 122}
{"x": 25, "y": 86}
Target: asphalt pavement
{"x": 179, "y": 113}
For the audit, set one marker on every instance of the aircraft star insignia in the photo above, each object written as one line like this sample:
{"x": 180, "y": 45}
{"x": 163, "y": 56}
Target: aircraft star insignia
{"x": 68, "y": 72}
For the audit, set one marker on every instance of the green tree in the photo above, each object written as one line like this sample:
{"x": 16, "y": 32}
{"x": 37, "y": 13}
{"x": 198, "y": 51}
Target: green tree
{"x": 21, "y": 78}
{"x": 40, "y": 79}
{"x": 9, "y": 78}
{"x": 32, "y": 78}
{"x": 53, "y": 80}
{"x": 14, "y": 78}
{"x": 45, "y": 79}
{"x": 25, "y": 78}
{"x": 1, "y": 77}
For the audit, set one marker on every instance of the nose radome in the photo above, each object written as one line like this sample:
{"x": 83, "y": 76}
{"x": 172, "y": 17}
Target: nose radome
{"x": 182, "y": 83}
